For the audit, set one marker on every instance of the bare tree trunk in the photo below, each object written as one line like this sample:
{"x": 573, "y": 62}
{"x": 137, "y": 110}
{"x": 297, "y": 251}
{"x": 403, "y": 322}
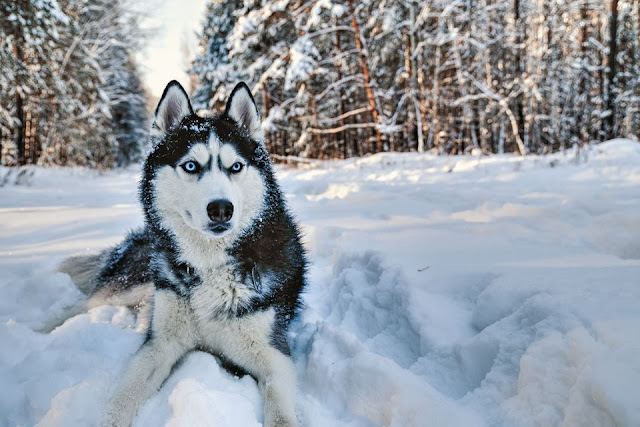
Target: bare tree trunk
{"x": 265, "y": 107}
{"x": 519, "y": 28}
{"x": 423, "y": 102}
{"x": 27, "y": 137}
{"x": 579, "y": 128}
{"x": 317, "y": 140}
{"x": 635, "y": 124}
{"x": 19, "y": 129}
{"x": 610, "y": 120}
{"x": 434, "y": 132}
{"x": 469, "y": 116}
{"x": 265, "y": 100}
{"x": 366, "y": 75}
{"x": 338, "y": 47}
{"x": 412, "y": 79}
{"x": 409, "y": 125}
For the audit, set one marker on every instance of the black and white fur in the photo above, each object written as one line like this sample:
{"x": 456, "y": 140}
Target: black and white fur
{"x": 224, "y": 279}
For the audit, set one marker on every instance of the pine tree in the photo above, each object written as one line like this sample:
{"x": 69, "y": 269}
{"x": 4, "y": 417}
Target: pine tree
{"x": 120, "y": 36}
{"x": 213, "y": 68}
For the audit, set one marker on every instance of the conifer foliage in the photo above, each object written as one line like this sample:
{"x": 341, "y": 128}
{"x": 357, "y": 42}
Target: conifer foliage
{"x": 70, "y": 90}
{"x": 341, "y": 78}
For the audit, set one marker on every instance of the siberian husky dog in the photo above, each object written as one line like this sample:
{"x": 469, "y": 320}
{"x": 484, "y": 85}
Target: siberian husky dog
{"x": 219, "y": 252}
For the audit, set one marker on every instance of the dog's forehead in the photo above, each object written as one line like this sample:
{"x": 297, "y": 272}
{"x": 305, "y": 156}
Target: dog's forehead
{"x": 228, "y": 154}
{"x": 224, "y": 150}
{"x": 200, "y": 153}
{"x": 213, "y": 148}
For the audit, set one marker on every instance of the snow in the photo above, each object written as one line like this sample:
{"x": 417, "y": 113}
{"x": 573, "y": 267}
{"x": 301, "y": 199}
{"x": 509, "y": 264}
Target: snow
{"x": 302, "y": 63}
{"x": 461, "y": 291}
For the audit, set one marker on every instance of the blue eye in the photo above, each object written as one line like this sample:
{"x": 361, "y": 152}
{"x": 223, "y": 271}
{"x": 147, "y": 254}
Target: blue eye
{"x": 190, "y": 167}
{"x": 236, "y": 167}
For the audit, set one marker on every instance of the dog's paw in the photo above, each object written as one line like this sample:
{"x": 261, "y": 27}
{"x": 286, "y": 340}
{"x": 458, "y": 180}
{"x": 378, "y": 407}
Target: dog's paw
{"x": 117, "y": 414}
{"x": 279, "y": 416}
{"x": 280, "y": 421}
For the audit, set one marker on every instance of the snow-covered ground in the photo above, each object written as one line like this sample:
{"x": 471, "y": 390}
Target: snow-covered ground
{"x": 444, "y": 291}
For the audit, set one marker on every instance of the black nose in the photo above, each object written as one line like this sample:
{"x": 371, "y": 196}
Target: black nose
{"x": 220, "y": 210}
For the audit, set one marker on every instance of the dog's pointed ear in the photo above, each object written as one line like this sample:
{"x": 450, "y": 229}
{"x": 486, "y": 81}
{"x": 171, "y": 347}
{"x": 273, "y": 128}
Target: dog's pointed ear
{"x": 173, "y": 106}
{"x": 242, "y": 108}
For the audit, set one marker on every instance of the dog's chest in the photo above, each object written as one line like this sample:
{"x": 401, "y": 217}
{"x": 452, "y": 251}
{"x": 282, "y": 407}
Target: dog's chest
{"x": 219, "y": 293}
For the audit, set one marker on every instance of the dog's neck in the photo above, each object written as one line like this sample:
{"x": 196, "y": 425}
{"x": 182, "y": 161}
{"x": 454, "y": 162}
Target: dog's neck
{"x": 194, "y": 248}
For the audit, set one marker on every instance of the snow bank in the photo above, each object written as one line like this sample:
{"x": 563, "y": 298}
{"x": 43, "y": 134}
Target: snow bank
{"x": 444, "y": 291}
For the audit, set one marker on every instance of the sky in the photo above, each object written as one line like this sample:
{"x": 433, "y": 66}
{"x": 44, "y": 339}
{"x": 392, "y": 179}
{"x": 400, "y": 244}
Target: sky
{"x": 174, "y": 21}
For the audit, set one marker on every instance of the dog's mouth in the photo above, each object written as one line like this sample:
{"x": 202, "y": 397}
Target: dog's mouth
{"x": 218, "y": 228}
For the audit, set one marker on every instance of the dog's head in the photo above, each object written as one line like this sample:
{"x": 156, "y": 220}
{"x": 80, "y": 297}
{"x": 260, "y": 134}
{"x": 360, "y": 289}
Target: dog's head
{"x": 205, "y": 176}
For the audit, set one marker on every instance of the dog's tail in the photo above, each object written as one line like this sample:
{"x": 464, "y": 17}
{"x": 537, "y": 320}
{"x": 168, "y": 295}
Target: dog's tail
{"x": 83, "y": 270}
{"x": 117, "y": 276}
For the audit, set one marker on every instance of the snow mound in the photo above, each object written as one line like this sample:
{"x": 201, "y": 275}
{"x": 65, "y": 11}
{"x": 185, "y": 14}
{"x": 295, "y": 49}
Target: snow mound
{"x": 358, "y": 358}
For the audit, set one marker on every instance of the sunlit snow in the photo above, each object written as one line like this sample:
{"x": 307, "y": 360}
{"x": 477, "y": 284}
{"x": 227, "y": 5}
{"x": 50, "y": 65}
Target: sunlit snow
{"x": 443, "y": 291}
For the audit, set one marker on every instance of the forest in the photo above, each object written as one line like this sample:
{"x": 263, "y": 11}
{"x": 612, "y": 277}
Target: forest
{"x": 71, "y": 92}
{"x": 332, "y": 78}
{"x": 464, "y": 175}
{"x": 337, "y": 79}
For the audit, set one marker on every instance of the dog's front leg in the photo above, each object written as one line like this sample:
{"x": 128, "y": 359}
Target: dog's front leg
{"x": 276, "y": 375}
{"x": 247, "y": 342}
{"x": 278, "y": 383}
{"x": 171, "y": 336}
